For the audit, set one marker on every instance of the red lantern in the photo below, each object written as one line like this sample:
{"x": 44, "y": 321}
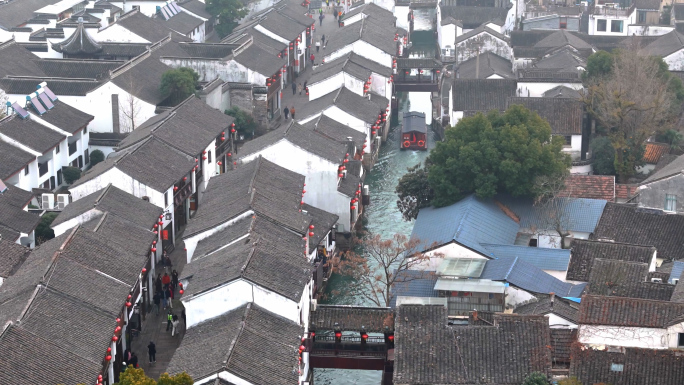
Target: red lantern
{"x": 302, "y": 202}
{"x": 230, "y": 154}
{"x": 115, "y": 338}
{"x": 313, "y": 334}
{"x": 373, "y": 133}
{"x": 223, "y": 138}
{"x": 184, "y": 179}
{"x": 181, "y": 291}
{"x": 391, "y": 337}
{"x": 108, "y": 358}
{"x": 303, "y": 191}
{"x": 338, "y": 335}
{"x": 129, "y": 296}
{"x": 353, "y": 207}
{"x": 219, "y": 163}
{"x": 154, "y": 242}
{"x": 109, "y": 350}
{"x": 302, "y": 348}
{"x": 118, "y": 329}
{"x": 364, "y": 336}
{"x": 155, "y": 231}
{"x": 175, "y": 188}
{"x": 311, "y": 234}
{"x": 180, "y": 283}
{"x": 340, "y": 175}
{"x": 154, "y": 249}
{"x": 144, "y": 270}
{"x": 232, "y": 130}
{"x": 155, "y": 226}
{"x": 204, "y": 158}
{"x": 311, "y": 227}
{"x": 99, "y": 378}
{"x": 160, "y": 223}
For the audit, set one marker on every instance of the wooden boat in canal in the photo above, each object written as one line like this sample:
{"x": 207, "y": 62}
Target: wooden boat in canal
{"x": 413, "y": 131}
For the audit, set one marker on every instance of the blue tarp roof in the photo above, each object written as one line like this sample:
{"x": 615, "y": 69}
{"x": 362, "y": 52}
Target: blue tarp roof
{"x": 543, "y": 258}
{"x": 677, "y": 269}
{"x": 528, "y": 277}
{"x": 470, "y": 221}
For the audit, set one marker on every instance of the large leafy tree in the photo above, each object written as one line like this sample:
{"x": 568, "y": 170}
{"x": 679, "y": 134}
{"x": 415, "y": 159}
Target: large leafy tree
{"x": 244, "y": 122}
{"x": 177, "y": 84}
{"x": 229, "y": 13}
{"x": 631, "y": 100}
{"x": 492, "y": 154}
{"x": 133, "y": 376}
{"x": 414, "y": 192}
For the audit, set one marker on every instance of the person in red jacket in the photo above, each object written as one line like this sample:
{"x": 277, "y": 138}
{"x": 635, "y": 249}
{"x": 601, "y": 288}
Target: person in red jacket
{"x": 312, "y": 59}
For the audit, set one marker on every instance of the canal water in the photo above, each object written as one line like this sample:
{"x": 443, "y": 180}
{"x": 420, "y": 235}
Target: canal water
{"x": 382, "y": 216}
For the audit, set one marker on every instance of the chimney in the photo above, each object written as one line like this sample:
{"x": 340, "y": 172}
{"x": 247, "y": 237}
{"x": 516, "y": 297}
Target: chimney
{"x": 553, "y": 297}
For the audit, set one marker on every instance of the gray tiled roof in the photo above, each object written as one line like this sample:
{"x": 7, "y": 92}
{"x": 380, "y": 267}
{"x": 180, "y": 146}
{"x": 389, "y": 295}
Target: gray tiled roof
{"x": 427, "y": 351}
{"x": 629, "y": 224}
{"x": 564, "y": 59}
{"x": 61, "y": 87}
{"x": 27, "y": 366}
{"x": 79, "y": 43}
{"x": 16, "y": 196}
{"x": 13, "y": 14}
{"x": 678, "y": 293}
{"x": 481, "y": 29}
{"x": 77, "y": 68}
{"x": 190, "y": 127}
{"x": 67, "y": 118}
{"x": 665, "y": 45}
{"x": 283, "y": 26}
{"x": 489, "y": 64}
{"x": 361, "y": 107}
{"x": 584, "y": 252}
{"x": 31, "y": 133}
{"x": 260, "y": 185}
{"x": 12, "y": 255}
{"x": 195, "y": 6}
{"x": 222, "y": 238}
{"x": 562, "y": 92}
{"x": 472, "y": 16}
{"x": 544, "y": 305}
{"x": 560, "y": 38}
{"x": 12, "y": 159}
{"x": 16, "y": 218}
{"x": 337, "y": 131}
{"x": 563, "y": 115}
{"x": 249, "y": 342}
{"x": 352, "y": 318}
{"x": 482, "y": 94}
{"x": 17, "y": 61}
{"x": 150, "y": 29}
{"x": 183, "y": 23}
{"x": 260, "y": 60}
{"x": 82, "y": 329}
{"x": 378, "y": 34}
{"x": 628, "y": 312}
{"x": 676, "y": 166}
{"x": 625, "y": 279}
{"x": 353, "y": 64}
{"x": 323, "y": 222}
{"x": 143, "y": 79}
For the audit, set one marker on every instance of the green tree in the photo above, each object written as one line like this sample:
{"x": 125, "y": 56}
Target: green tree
{"x": 671, "y": 137}
{"x": 43, "y": 230}
{"x": 492, "y": 154}
{"x": 598, "y": 64}
{"x": 228, "y": 12}
{"x": 133, "y": 376}
{"x": 536, "y": 378}
{"x": 177, "y": 84}
{"x": 603, "y": 154}
{"x": 96, "y": 157}
{"x": 71, "y": 174}
{"x": 634, "y": 99}
{"x": 244, "y": 122}
{"x": 414, "y": 192}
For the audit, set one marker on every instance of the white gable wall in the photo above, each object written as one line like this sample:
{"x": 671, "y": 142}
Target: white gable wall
{"x": 486, "y": 42}
{"x": 675, "y": 61}
{"x": 347, "y": 119}
{"x": 118, "y": 179}
{"x": 117, "y": 33}
{"x": 316, "y": 90}
{"x": 537, "y": 89}
{"x": 71, "y": 223}
{"x": 635, "y": 337}
{"x": 191, "y": 242}
{"x": 556, "y": 322}
{"x": 321, "y": 176}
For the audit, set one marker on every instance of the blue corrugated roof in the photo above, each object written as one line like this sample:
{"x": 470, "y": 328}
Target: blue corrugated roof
{"x": 414, "y": 283}
{"x": 577, "y": 214}
{"x": 677, "y": 268}
{"x": 470, "y": 222}
{"x": 528, "y": 277}
{"x": 543, "y": 258}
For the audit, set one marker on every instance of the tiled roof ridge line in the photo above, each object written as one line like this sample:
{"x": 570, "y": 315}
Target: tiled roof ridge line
{"x": 77, "y": 60}
{"x": 229, "y": 354}
{"x": 171, "y": 115}
{"x": 102, "y": 194}
{"x": 129, "y": 64}
{"x": 630, "y": 299}
{"x": 101, "y": 221}
{"x": 251, "y": 255}
{"x": 43, "y": 78}
{"x": 615, "y": 243}
{"x": 339, "y": 90}
{"x": 250, "y": 188}
{"x": 458, "y": 351}
{"x": 237, "y": 51}
{"x": 8, "y": 43}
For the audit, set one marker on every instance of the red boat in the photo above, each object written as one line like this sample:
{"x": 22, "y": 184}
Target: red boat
{"x": 414, "y": 131}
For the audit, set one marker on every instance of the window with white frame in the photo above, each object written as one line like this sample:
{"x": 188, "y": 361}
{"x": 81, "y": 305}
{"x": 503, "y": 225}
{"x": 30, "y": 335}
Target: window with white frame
{"x": 670, "y": 202}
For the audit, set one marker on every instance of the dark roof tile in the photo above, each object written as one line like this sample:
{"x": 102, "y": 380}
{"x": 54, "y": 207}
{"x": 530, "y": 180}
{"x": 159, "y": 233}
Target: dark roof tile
{"x": 482, "y": 94}
{"x": 544, "y": 305}
{"x": 12, "y": 159}
{"x": 611, "y": 277}
{"x": 584, "y": 252}
{"x": 12, "y": 255}
{"x": 352, "y": 318}
{"x": 31, "y": 133}
{"x": 628, "y": 312}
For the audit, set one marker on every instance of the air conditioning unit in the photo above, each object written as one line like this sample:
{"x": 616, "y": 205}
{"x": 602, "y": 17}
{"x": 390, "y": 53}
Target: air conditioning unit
{"x": 62, "y": 201}
{"x": 47, "y": 201}
{"x": 657, "y": 280}
{"x": 314, "y": 303}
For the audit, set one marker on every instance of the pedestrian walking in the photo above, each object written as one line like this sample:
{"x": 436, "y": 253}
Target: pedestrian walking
{"x": 174, "y": 324}
{"x": 323, "y": 40}
{"x": 299, "y": 89}
{"x": 185, "y": 324}
{"x": 320, "y": 17}
{"x": 306, "y": 90}
{"x": 134, "y": 360}
{"x": 335, "y": 14}
{"x": 292, "y": 112}
{"x": 313, "y": 58}
{"x": 127, "y": 355}
{"x": 169, "y": 320}
{"x": 158, "y": 284}
{"x": 318, "y": 46}
{"x": 167, "y": 260}
{"x": 156, "y": 299}
{"x": 169, "y": 292}
{"x": 152, "y": 351}
{"x": 174, "y": 279}
{"x": 294, "y": 87}
{"x": 286, "y": 112}
{"x": 165, "y": 298}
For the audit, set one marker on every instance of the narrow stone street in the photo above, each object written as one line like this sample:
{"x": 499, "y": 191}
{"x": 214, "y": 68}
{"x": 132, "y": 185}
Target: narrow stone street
{"x": 329, "y": 28}
{"x": 154, "y": 326}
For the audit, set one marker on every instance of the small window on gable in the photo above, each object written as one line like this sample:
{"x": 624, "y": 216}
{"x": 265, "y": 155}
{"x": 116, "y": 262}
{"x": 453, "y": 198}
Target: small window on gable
{"x": 670, "y": 202}
{"x": 26, "y": 170}
{"x": 209, "y": 156}
{"x": 166, "y": 199}
{"x": 617, "y": 367}
{"x": 681, "y": 340}
{"x": 568, "y": 140}
{"x": 533, "y": 242}
{"x": 57, "y": 148}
